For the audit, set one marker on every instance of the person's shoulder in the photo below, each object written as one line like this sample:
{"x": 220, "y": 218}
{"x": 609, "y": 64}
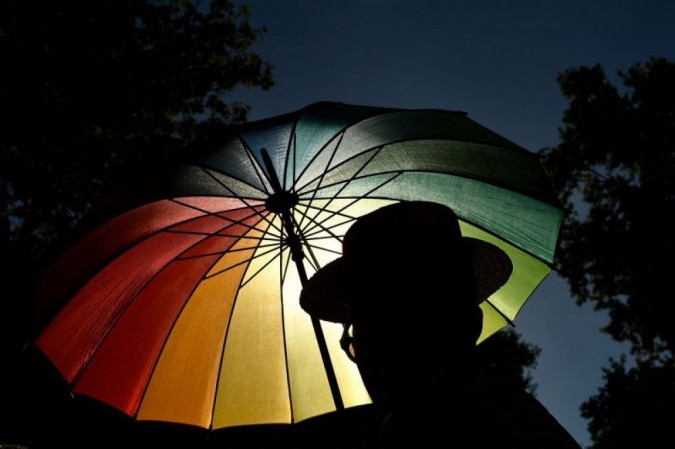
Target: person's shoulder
{"x": 518, "y": 413}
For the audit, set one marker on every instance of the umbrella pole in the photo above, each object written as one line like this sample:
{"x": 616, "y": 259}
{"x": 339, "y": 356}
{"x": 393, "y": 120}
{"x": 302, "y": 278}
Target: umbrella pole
{"x": 282, "y": 202}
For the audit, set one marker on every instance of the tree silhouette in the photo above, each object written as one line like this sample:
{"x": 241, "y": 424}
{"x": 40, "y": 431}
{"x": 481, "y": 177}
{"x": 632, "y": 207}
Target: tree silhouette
{"x": 615, "y": 169}
{"x": 511, "y": 358}
{"x": 635, "y": 406}
{"x": 92, "y": 91}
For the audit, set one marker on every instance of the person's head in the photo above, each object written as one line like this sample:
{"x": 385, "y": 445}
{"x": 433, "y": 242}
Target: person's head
{"x": 410, "y": 285}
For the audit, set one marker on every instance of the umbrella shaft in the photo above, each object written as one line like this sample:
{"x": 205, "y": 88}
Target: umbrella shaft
{"x": 281, "y": 202}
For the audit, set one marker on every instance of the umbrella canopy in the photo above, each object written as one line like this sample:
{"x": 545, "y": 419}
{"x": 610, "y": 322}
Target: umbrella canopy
{"x": 181, "y": 302}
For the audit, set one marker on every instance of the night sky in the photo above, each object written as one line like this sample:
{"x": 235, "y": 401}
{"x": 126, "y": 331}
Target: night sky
{"x": 496, "y": 60}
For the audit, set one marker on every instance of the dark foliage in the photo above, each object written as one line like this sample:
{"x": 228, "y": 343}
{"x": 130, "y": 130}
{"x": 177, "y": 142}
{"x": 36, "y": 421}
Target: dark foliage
{"x": 635, "y": 406}
{"x": 509, "y": 357}
{"x": 616, "y": 159}
{"x": 615, "y": 169}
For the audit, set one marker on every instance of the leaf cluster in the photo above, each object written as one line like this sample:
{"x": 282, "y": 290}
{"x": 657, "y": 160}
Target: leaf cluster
{"x": 635, "y": 406}
{"x": 615, "y": 170}
{"x": 91, "y": 90}
{"x": 512, "y": 359}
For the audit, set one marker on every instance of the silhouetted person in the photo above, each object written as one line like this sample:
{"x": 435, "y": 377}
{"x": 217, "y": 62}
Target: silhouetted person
{"x": 409, "y": 285}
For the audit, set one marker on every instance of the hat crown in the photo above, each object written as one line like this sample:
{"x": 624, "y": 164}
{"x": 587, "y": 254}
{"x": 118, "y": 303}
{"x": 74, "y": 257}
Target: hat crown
{"x": 401, "y": 245}
{"x": 402, "y": 227}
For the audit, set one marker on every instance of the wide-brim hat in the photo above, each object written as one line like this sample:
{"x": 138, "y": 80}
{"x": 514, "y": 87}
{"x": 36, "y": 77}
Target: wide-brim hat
{"x": 397, "y": 236}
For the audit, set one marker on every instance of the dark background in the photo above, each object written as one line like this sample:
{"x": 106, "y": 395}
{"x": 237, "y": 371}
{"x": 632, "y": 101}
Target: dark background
{"x": 496, "y": 60}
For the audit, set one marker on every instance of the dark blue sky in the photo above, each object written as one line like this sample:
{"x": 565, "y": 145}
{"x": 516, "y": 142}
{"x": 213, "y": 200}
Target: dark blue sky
{"x": 498, "y": 60}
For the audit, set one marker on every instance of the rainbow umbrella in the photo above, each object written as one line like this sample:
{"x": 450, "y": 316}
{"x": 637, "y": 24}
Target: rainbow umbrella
{"x": 181, "y": 302}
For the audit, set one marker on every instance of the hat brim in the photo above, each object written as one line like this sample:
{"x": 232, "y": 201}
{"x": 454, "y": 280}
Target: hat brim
{"x": 323, "y": 295}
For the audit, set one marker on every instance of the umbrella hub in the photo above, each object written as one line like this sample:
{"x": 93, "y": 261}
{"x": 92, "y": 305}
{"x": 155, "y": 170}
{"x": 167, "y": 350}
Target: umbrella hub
{"x": 281, "y": 202}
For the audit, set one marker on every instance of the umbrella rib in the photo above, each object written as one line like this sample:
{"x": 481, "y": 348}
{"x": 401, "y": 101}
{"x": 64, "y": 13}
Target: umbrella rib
{"x": 288, "y": 263}
{"x": 320, "y": 228}
{"x": 295, "y": 156}
{"x": 130, "y": 302}
{"x": 145, "y": 389}
{"x": 238, "y": 238}
{"x": 291, "y": 143}
{"x": 216, "y": 253}
{"x": 310, "y": 247}
{"x": 335, "y": 389}
{"x": 159, "y": 231}
{"x": 398, "y": 173}
{"x": 508, "y": 320}
{"x": 256, "y": 167}
{"x": 329, "y": 370}
{"x": 288, "y": 258}
{"x": 312, "y": 258}
{"x": 526, "y": 154}
{"x": 177, "y": 200}
{"x": 310, "y": 206}
{"x": 314, "y": 246}
{"x": 209, "y": 276}
{"x": 164, "y": 343}
{"x": 282, "y": 277}
{"x": 218, "y": 215}
{"x": 313, "y": 261}
{"x": 219, "y": 182}
{"x": 318, "y": 152}
{"x": 204, "y": 277}
{"x": 374, "y": 175}
{"x": 261, "y": 268}
{"x": 360, "y": 197}
{"x": 346, "y": 183}
{"x": 289, "y": 255}
{"x": 243, "y": 200}
{"x": 341, "y": 132}
{"x": 263, "y": 172}
{"x": 323, "y": 172}
{"x": 227, "y": 331}
{"x": 375, "y": 150}
{"x": 140, "y": 290}
{"x": 179, "y": 223}
{"x": 263, "y": 238}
